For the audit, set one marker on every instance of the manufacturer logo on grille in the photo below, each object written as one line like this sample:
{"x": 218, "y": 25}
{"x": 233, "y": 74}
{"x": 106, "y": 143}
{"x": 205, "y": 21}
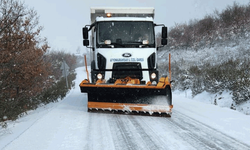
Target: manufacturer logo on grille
{"x": 126, "y": 55}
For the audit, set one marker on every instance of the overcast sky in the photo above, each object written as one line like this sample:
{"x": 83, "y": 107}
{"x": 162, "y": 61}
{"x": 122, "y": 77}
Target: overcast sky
{"x": 63, "y": 19}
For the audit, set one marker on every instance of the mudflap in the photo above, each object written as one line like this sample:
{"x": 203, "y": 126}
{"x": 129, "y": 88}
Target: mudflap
{"x": 130, "y": 100}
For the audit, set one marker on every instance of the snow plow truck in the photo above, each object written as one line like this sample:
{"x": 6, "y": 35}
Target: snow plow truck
{"x": 124, "y": 75}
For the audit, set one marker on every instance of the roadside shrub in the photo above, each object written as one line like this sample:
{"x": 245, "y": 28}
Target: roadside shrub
{"x": 51, "y": 94}
{"x": 57, "y": 91}
{"x": 241, "y": 87}
{"x": 232, "y": 75}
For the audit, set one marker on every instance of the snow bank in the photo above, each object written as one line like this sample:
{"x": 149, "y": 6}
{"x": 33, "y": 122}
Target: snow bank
{"x": 226, "y": 120}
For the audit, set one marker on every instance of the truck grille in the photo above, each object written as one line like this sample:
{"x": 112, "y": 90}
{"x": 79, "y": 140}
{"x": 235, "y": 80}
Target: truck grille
{"x": 123, "y": 70}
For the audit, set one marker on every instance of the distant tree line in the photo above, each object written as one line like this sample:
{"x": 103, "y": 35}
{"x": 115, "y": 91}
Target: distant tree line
{"x": 29, "y": 75}
{"x": 55, "y": 59}
{"x": 233, "y": 23}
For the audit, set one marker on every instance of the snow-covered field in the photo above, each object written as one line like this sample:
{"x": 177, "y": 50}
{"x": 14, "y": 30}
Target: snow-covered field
{"x": 67, "y": 125}
{"x": 214, "y": 56}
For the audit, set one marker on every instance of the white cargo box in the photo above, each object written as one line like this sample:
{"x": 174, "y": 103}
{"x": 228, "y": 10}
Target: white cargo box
{"x": 121, "y": 12}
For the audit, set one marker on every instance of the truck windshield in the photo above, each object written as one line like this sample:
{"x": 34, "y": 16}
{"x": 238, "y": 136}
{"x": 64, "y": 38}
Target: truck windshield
{"x": 125, "y": 34}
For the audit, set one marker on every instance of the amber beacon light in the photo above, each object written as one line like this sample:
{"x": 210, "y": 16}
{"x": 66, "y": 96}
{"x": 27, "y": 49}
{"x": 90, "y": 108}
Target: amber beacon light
{"x": 109, "y": 15}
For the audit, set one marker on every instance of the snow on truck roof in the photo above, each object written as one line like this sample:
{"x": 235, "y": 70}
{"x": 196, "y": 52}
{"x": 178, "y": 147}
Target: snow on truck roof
{"x": 122, "y": 10}
{"x": 98, "y": 19}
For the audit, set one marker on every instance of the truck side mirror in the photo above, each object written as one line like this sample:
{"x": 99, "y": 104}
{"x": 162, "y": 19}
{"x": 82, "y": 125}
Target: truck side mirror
{"x": 164, "y": 32}
{"x": 164, "y": 41}
{"x": 85, "y": 33}
{"x": 85, "y": 42}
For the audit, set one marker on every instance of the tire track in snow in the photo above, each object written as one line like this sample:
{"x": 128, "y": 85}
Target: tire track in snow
{"x": 160, "y": 129}
{"x": 88, "y": 132}
{"x": 125, "y": 137}
{"x": 150, "y": 140}
{"x": 186, "y": 135}
{"x": 98, "y": 132}
{"x": 201, "y": 136}
{"x": 138, "y": 132}
{"x": 105, "y": 133}
{"x": 117, "y": 134}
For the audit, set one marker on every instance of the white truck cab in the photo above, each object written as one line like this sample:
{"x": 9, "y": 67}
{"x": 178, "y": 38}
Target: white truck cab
{"x": 123, "y": 44}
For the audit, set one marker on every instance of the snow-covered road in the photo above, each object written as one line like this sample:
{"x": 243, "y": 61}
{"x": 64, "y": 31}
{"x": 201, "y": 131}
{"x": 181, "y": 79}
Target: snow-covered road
{"x": 68, "y": 125}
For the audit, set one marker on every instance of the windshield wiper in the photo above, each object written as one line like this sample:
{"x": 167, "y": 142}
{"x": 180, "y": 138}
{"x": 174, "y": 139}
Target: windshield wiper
{"x": 134, "y": 42}
{"x": 117, "y": 44}
{"x": 140, "y": 44}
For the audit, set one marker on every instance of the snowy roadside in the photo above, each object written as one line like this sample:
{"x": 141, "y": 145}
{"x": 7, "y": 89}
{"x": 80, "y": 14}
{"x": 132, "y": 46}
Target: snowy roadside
{"x": 15, "y": 128}
{"x": 19, "y": 126}
{"x": 226, "y": 120}
{"x": 223, "y": 100}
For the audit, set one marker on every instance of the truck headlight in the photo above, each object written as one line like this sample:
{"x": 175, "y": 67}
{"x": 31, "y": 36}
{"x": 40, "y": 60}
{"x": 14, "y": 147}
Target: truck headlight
{"x": 99, "y": 76}
{"x": 153, "y": 76}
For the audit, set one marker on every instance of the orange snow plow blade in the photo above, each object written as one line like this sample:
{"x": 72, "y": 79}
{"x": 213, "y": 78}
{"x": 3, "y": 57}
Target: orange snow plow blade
{"x": 129, "y": 98}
